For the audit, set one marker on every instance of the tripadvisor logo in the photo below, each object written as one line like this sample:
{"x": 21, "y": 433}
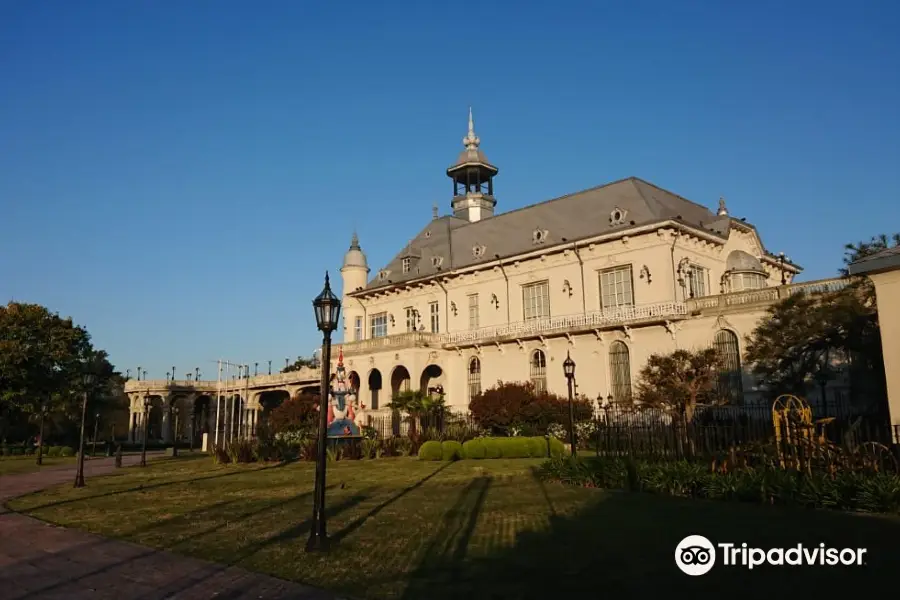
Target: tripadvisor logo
{"x": 696, "y": 555}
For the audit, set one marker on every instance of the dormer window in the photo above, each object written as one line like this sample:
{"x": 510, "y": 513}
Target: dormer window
{"x": 617, "y": 216}
{"x": 383, "y": 275}
{"x": 539, "y": 236}
{"x": 478, "y": 251}
{"x": 406, "y": 263}
{"x": 437, "y": 261}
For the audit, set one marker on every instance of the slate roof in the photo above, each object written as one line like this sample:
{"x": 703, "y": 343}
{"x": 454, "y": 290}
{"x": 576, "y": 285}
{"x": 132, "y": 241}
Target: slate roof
{"x": 884, "y": 260}
{"x": 451, "y": 240}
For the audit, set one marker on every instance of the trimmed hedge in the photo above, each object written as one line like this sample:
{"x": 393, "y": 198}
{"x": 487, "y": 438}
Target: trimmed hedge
{"x": 431, "y": 450}
{"x": 493, "y": 447}
{"x": 452, "y": 450}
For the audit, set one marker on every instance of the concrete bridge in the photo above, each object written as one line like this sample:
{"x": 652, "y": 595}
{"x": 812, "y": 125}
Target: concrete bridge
{"x": 224, "y": 410}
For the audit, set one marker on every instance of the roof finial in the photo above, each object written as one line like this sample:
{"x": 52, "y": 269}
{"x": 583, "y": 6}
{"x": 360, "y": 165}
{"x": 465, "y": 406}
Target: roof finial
{"x": 354, "y": 241}
{"x": 434, "y": 211}
{"x": 723, "y": 211}
{"x": 471, "y": 140}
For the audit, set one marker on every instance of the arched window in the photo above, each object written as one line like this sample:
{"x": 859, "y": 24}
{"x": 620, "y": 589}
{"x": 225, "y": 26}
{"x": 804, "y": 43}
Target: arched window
{"x": 539, "y": 371}
{"x": 620, "y": 372}
{"x": 474, "y": 377}
{"x": 730, "y": 382}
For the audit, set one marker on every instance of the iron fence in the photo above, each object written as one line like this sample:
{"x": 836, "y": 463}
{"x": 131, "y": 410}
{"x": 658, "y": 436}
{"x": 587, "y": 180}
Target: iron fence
{"x": 711, "y": 432}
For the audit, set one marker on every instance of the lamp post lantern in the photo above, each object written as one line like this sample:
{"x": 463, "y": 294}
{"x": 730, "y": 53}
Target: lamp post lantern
{"x": 146, "y": 423}
{"x": 569, "y": 370}
{"x": 270, "y": 367}
{"x": 40, "y": 456}
{"x": 781, "y": 259}
{"x": 96, "y": 428}
{"x": 196, "y": 373}
{"x": 79, "y": 474}
{"x": 327, "y": 307}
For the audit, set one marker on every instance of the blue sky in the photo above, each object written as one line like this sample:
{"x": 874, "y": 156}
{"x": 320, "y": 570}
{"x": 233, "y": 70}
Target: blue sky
{"x": 178, "y": 176}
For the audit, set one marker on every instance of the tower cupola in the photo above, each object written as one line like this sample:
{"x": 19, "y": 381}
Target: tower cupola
{"x": 473, "y": 180}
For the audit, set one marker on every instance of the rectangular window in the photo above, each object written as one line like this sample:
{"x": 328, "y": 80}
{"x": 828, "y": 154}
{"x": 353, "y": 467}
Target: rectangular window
{"x": 357, "y": 329}
{"x": 406, "y": 262}
{"x": 697, "y": 281}
{"x": 473, "y": 311}
{"x": 536, "y": 300}
{"x": 410, "y": 318}
{"x": 435, "y": 317}
{"x": 616, "y": 289}
{"x": 379, "y": 324}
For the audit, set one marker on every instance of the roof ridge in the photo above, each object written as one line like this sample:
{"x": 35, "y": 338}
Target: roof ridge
{"x": 679, "y": 196}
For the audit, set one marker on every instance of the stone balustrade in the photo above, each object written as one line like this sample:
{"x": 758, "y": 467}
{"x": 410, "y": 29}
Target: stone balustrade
{"x": 304, "y": 376}
{"x": 764, "y": 295}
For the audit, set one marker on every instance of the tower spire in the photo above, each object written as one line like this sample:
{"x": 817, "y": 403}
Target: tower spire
{"x": 723, "y": 210}
{"x": 471, "y": 140}
{"x": 354, "y": 241}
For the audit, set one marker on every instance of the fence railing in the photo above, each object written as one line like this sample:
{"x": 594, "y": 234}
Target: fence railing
{"x": 657, "y": 433}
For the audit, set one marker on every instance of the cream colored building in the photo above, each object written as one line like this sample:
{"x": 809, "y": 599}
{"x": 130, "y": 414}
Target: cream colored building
{"x": 883, "y": 268}
{"x": 609, "y": 275}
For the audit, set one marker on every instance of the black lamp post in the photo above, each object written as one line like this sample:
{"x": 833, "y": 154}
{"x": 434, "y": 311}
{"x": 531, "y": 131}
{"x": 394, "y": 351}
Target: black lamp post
{"x": 40, "y": 456}
{"x": 139, "y": 373}
{"x": 193, "y": 424}
{"x": 270, "y": 367}
{"x": 255, "y": 369}
{"x": 781, "y": 258}
{"x": 96, "y": 427}
{"x": 196, "y": 373}
{"x": 327, "y": 307}
{"x": 175, "y": 435}
{"x": 145, "y": 375}
{"x": 146, "y": 426}
{"x": 79, "y": 474}
{"x": 569, "y": 370}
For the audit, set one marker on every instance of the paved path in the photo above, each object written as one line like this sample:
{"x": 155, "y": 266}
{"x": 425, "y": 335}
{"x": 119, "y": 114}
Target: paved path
{"x": 41, "y": 561}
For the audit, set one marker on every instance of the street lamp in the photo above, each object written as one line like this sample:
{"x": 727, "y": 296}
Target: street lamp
{"x": 79, "y": 475}
{"x": 569, "y": 370}
{"x": 175, "y": 441}
{"x": 270, "y": 367}
{"x": 40, "y": 456}
{"x": 139, "y": 373}
{"x": 781, "y": 259}
{"x": 145, "y": 375}
{"x": 96, "y": 425}
{"x": 147, "y": 401}
{"x": 327, "y": 307}
{"x": 255, "y": 369}
{"x": 196, "y": 373}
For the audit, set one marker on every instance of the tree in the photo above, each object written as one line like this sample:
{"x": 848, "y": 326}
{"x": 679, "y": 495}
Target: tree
{"x": 516, "y": 404}
{"x": 298, "y": 414}
{"x": 804, "y": 338}
{"x": 43, "y": 358}
{"x": 301, "y": 363}
{"x": 681, "y": 380}
{"x": 416, "y": 404}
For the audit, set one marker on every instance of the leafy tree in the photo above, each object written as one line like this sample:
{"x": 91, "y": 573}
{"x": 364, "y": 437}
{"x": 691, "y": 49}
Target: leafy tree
{"x": 805, "y": 338}
{"x": 681, "y": 380}
{"x": 297, "y": 414}
{"x": 43, "y": 358}
{"x": 519, "y": 404}
{"x": 301, "y": 363}
{"x": 854, "y": 252}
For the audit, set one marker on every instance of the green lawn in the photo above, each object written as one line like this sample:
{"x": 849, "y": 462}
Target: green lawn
{"x": 16, "y": 465}
{"x": 471, "y": 529}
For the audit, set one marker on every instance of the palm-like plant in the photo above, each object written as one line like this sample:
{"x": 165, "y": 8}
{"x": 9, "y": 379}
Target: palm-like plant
{"x": 416, "y": 404}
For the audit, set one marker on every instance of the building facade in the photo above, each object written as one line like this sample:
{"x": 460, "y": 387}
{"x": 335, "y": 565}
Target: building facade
{"x": 608, "y": 275}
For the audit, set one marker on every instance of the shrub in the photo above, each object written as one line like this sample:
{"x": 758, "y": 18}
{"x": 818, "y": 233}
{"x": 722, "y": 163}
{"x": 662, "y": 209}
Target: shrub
{"x": 557, "y": 448}
{"x": 492, "y": 448}
{"x": 53, "y": 450}
{"x": 220, "y": 455}
{"x": 431, "y": 450}
{"x": 518, "y": 407}
{"x": 537, "y": 447}
{"x": 370, "y": 448}
{"x": 452, "y": 450}
{"x": 66, "y": 451}
{"x": 878, "y": 492}
{"x": 296, "y": 414}
{"x": 514, "y": 447}
{"x": 474, "y": 448}
{"x": 306, "y": 450}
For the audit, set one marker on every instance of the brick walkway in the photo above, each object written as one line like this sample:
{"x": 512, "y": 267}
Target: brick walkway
{"x": 41, "y": 561}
